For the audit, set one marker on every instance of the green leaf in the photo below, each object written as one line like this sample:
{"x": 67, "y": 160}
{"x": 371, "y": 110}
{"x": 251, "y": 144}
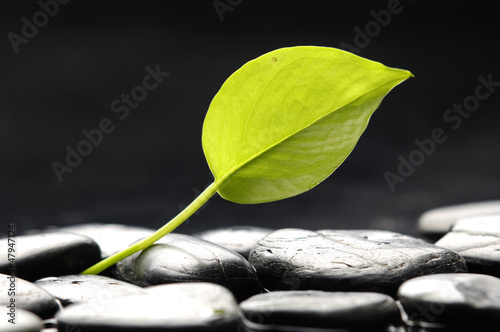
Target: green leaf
{"x": 285, "y": 121}
{"x": 280, "y": 125}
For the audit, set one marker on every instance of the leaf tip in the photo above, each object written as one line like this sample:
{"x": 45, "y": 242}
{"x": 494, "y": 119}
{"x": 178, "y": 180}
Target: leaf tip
{"x": 408, "y": 73}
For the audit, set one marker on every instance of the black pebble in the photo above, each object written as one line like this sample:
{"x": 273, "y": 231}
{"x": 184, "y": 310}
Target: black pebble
{"x": 460, "y": 299}
{"x": 435, "y": 223}
{"x": 478, "y": 241}
{"x": 24, "y": 321}
{"x": 178, "y": 307}
{"x": 27, "y": 296}
{"x": 183, "y": 258}
{"x": 51, "y": 254}
{"x": 241, "y": 239}
{"x": 322, "y": 309}
{"x": 111, "y": 238}
{"x": 357, "y": 260}
{"x": 86, "y": 288}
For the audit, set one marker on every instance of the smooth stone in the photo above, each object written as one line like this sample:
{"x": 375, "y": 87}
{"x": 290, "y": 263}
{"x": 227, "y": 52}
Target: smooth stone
{"x": 174, "y": 307}
{"x": 459, "y": 299}
{"x": 184, "y": 258}
{"x": 50, "y": 254}
{"x": 321, "y": 309}
{"x": 25, "y": 321}
{"x": 241, "y": 239}
{"x": 347, "y": 260}
{"x": 27, "y": 296}
{"x": 437, "y": 222}
{"x": 111, "y": 238}
{"x": 477, "y": 239}
{"x": 86, "y": 288}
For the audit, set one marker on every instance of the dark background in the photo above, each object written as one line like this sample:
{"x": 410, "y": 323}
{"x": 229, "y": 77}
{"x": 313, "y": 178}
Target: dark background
{"x": 66, "y": 77}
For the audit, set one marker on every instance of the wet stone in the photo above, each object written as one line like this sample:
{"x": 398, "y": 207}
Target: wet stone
{"x": 175, "y": 307}
{"x": 51, "y": 326}
{"x": 27, "y": 296}
{"x": 322, "y": 309}
{"x": 24, "y": 321}
{"x": 184, "y": 258}
{"x": 477, "y": 239}
{"x": 50, "y": 254}
{"x": 460, "y": 299}
{"x": 350, "y": 260}
{"x": 86, "y": 288}
{"x": 111, "y": 238}
{"x": 241, "y": 239}
{"x": 437, "y": 222}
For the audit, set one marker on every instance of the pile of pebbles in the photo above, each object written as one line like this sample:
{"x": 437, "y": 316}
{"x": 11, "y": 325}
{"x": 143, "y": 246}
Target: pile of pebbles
{"x": 258, "y": 279}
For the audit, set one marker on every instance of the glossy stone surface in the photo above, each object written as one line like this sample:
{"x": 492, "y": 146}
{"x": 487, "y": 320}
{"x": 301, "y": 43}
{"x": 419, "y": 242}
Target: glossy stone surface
{"x": 477, "y": 239}
{"x": 25, "y": 321}
{"x": 241, "y": 239}
{"x": 27, "y": 296}
{"x": 174, "y": 307}
{"x": 321, "y": 309}
{"x": 182, "y": 258}
{"x": 50, "y": 254}
{"x": 454, "y": 299}
{"x": 437, "y": 222}
{"x": 111, "y": 238}
{"x": 86, "y": 288}
{"x": 337, "y": 260}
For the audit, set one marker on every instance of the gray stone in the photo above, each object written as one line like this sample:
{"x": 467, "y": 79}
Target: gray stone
{"x": 24, "y": 321}
{"x": 111, "y": 238}
{"x": 50, "y": 254}
{"x": 241, "y": 239}
{"x": 27, "y": 296}
{"x": 477, "y": 239}
{"x": 437, "y": 222}
{"x": 174, "y": 307}
{"x": 460, "y": 299}
{"x": 356, "y": 260}
{"x": 86, "y": 288}
{"x": 322, "y": 309}
{"x": 184, "y": 258}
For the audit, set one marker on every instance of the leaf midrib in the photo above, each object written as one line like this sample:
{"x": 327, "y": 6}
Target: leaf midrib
{"x": 239, "y": 166}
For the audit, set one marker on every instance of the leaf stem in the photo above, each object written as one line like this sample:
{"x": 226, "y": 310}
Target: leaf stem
{"x": 167, "y": 228}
